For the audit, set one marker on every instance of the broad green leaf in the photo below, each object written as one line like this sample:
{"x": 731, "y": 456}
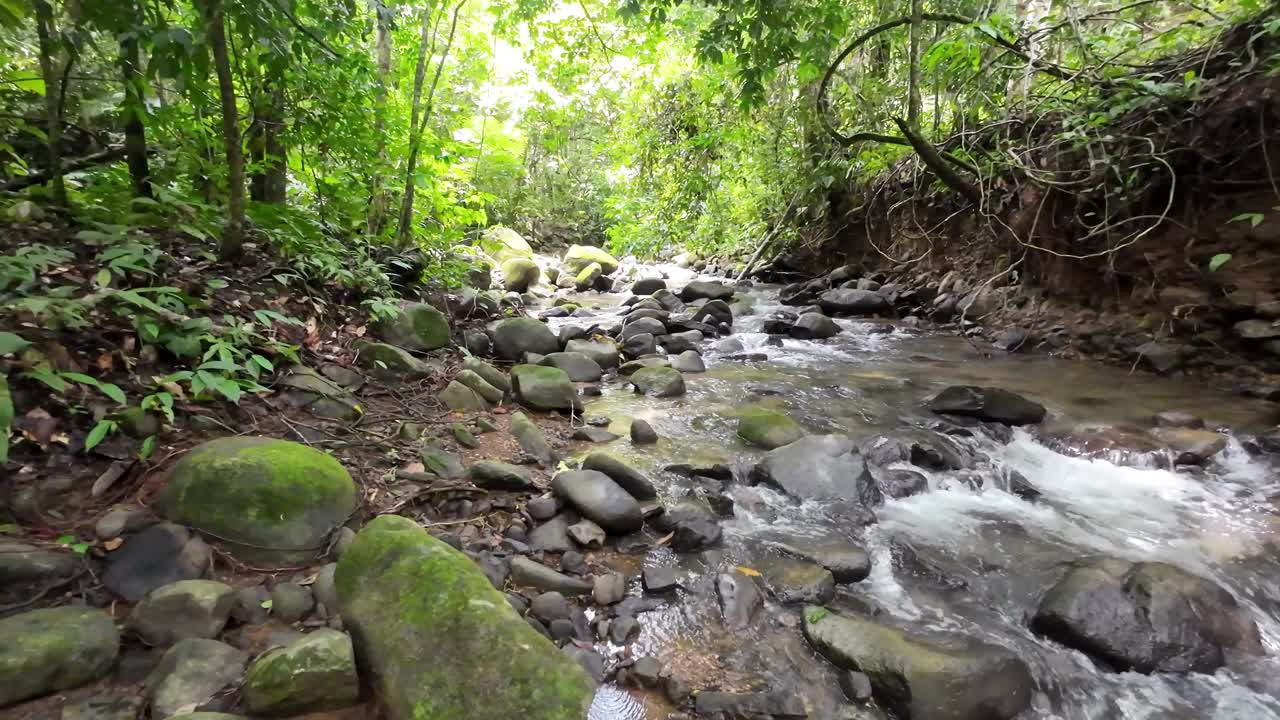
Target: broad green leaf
{"x": 99, "y": 433}
{"x": 11, "y": 343}
{"x": 6, "y": 418}
{"x": 113, "y": 392}
{"x": 103, "y": 278}
{"x": 1218, "y": 261}
{"x": 148, "y": 447}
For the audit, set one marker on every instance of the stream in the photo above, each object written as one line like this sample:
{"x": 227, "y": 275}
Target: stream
{"x": 980, "y": 556}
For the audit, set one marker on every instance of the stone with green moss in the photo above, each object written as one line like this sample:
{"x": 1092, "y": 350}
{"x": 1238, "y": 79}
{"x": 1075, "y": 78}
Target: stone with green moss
{"x": 531, "y": 439}
{"x": 491, "y": 374}
{"x": 586, "y": 278}
{"x": 580, "y": 256}
{"x": 767, "y": 428}
{"x": 481, "y": 386}
{"x": 44, "y": 651}
{"x": 658, "y": 382}
{"x": 463, "y": 435}
{"x": 543, "y": 387}
{"x": 389, "y": 361}
{"x": 460, "y": 398}
{"x": 440, "y": 642}
{"x": 514, "y": 337}
{"x": 519, "y": 274}
{"x": 502, "y": 243}
{"x": 304, "y": 387}
{"x": 313, "y": 674}
{"x": 417, "y": 327}
{"x": 273, "y": 501}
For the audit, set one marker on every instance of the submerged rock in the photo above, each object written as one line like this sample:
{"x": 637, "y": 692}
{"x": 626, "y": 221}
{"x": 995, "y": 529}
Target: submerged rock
{"x": 1146, "y": 617}
{"x": 924, "y": 677}
{"x": 990, "y": 404}
{"x": 257, "y": 493}
{"x": 740, "y": 598}
{"x": 767, "y": 428}
{"x": 819, "y": 467}
{"x": 44, "y": 651}
{"x": 796, "y": 581}
{"x": 440, "y": 643}
{"x": 847, "y": 562}
{"x": 658, "y": 382}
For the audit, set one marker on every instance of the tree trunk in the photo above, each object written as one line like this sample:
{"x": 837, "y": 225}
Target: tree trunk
{"x": 913, "y": 90}
{"x": 233, "y": 232}
{"x": 134, "y": 108}
{"x": 44, "y": 30}
{"x": 419, "y": 75}
{"x": 378, "y": 193}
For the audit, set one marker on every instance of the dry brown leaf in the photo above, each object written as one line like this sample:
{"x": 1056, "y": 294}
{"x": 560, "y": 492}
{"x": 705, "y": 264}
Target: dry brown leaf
{"x": 112, "y": 544}
{"x": 106, "y": 362}
{"x": 360, "y": 331}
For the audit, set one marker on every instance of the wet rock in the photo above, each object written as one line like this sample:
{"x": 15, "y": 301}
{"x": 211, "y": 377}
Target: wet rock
{"x": 714, "y": 312}
{"x": 1164, "y": 358}
{"x": 478, "y": 342}
{"x": 1256, "y": 330}
{"x": 23, "y": 564}
{"x": 623, "y": 630}
{"x": 898, "y": 483}
{"x": 121, "y": 520}
{"x": 412, "y": 602}
{"x": 694, "y": 535}
{"x": 544, "y": 388}
{"x": 514, "y": 337}
{"x": 776, "y": 705}
{"x": 594, "y": 435}
{"x": 705, "y": 290}
{"x": 460, "y": 398}
{"x": 194, "y": 674}
{"x": 648, "y": 286}
{"x": 855, "y": 685}
{"x": 795, "y": 581}
{"x": 519, "y": 274}
{"x": 313, "y": 674}
{"x": 290, "y": 602}
{"x": 263, "y": 493}
{"x": 590, "y": 661}
{"x": 543, "y": 508}
{"x": 185, "y": 609}
{"x": 658, "y": 382}
{"x": 252, "y": 605}
{"x": 1012, "y": 340}
{"x": 44, "y": 651}
{"x": 659, "y": 578}
{"x": 389, "y": 361}
{"x": 599, "y": 498}
{"x": 689, "y": 361}
{"x": 526, "y": 572}
{"x": 578, "y": 366}
{"x": 603, "y": 352}
{"x": 1178, "y": 419}
{"x": 494, "y": 475}
{"x": 104, "y": 708}
{"x": 418, "y": 327}
{"x": 680, "y": 342}
{"x": 767, "y": 428}
{"x": 574, "y": 563}
{"x": 587, "y": 534}
{"x": 646, "y": 672}
{"x": 847, "y": 562}
{"x": 1192, "y": 447}
{"x": 550, "y": 606}
{"x": 639, "y": 345}
{"x": 531, "y": 439}
{"x": 491, "y": 394}
{"x": 609, "y": 588}
{"x": 631, "y": 480}
{"x": 740, "y": 598}
{"x": 648, "y": 361}
{"x": 819, "y": 467}
{"x": 853, "y": 302}
{"x": 814, "y": 326}
{"x": 1146, "y": 617}
{"x": 924, "y": 677}
{"x": 642, "y": 433}
{"x": 490, "y": 374}
{"x": 642, "y": 326}
{"x": 325, "y": 591}
{"x": 668, "y": 301}
{"x": 587, "y": 277}
{"x": 990, "y": 404}
{"x": 552, "y": 535}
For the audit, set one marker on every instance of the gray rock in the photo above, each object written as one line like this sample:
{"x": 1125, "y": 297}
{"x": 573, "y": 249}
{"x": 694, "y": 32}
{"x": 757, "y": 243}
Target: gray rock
{"x": 552, "y": 535}
{"x": 599, "y": 498}
{"x": 814, "y": 326}
{"x": 689, "y": 361}
{"x": 543, "y": 508}
{"x": 680, "y": 342}
{"x": 526, "y": 572}
{"x": 594, "y": 435}
{"x": 648, "y": 286}
{"x": 642, "y": 433}
{"x": 639, "y": 345}
{"x": 854, "y": 302}
{"x": 658, "y": 382}
{"x": 578, "y": 366}
{"x": 1164, "y": 358}
{"x": 847, "y": 562}
{"x": 478, "y": 342}
{"x": 659, "y": 578}
{"x": 185, "y": 609}
{"x": 1178, "y": 419}
{"x": 591, "y": 661}
{"x": 417, "y": 327}
{"x": 776, "y": 705}
{"x": 990, "y": 404}
{"x": 668, "y": 301}
{"x": 325, "y": 591}
{"x": 819, "y": 467}
{"x": 390, "y": 362}
{"x": 623, "y": 630}
{"x": 459, "y": 398}
{"x": 191, "y": 674}
{"x": 631, "y": 480}
{"x": 514, "y": 337}
{"x": 494, "y": 475}
{"x": 314, "y": 674}
{"x": 603, "y": 352}
{"x": 855, "y": 685}
{"x": 544, "y": 388}
{"x": 1146, "y": 617}
{"x": 1257, "y": 330}
{"x": 252, "y": 605}
{"x": 491, "y": 393}
{"x": 642, "y": 326}
{"x": 490, "y": 374}
{"x": 740, "y": 598}
{"x": 531, "y": 439}
{"x": 587, "y": 534}
{"x": 796, "y": 581}
{"x": 550, "y": 606}
{"x": 705, "y": 290}
{"x": 290, "y": 602}
{"x": 121, "y": 520}
{"x": 103, "y": 708}
{"x": 160, "y": 555}
{"x": 23, "y": 564}
{"x": 609, "y": 588}
{"x": 924, "y": 678}
{"x": 44, "y": 651}
{"x": 715, "y": 312}
{"x": 574, "y": 563}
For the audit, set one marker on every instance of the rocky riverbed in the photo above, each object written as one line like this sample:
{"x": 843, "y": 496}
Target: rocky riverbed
{"x": 677, "y": 497}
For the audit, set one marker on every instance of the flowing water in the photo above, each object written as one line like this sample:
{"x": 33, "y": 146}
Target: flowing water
{"x": 982, "y": 556}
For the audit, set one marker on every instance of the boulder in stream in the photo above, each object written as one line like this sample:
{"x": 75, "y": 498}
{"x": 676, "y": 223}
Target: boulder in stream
{"x": 542, "y": 387}
{"x": 814, "y": 326}
{"x": 1146, "y": 617}
{"x": 599, "y": 498}
{"x": 986, "y": 403}
{"x": 767, "y": 428}
{"x": 705, "y": 290}
{"x": 658, "y": 382}
{"x": 853, "y": 302}
{"x": 519, "y": 274}
{"x": 631, "y": 479}
{"x": 578, "y": 366}
{"x": 579, "y": 257}
{"x": 819, "y": 467}
{"x": 924, "y": 677}
{"x": 603, "y": 351}
{"x": 440, "y": 642}
{"x": 514, "y": 337}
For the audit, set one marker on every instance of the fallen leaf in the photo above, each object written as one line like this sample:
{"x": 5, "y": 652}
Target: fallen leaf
{"x": 750, "y": 572}
{"x": 112, "y": 544}
{"x": 360, "y": 331}
{"x": 38, "y": 426}
{"x": 106, "y": 362}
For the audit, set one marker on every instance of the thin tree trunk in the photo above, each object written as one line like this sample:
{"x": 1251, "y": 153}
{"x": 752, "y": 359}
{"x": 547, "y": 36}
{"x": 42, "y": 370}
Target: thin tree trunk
{"x": 419, "y": 76}
{"x": 913, "y": 91}
{"x": 44, "y": 30}
{"x": 135, "y": 131}
{"x": 274, "y": 151}
{"x": 378, "y": 193}
{"x": 233, "y": 232}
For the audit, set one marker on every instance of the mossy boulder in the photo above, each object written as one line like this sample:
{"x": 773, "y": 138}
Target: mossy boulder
{"x": 389, "y": 361}
{"x": 491, "y": 374}
{"x": 542, "y": 387}
{"x": 473, "y": 380}
{"x": 418, "y": 326}
{"x": 503, "y": 243}
{"x": 44, "y": 651}
{"x": 440, "y": 642}
{"x": 312, "y": 674}
{"x": 460, "y": 398}
{"x": 658, "y": 382}
{"x": 531, "y": 439}
{"x": 579, "y": 257}
{"x": 274, "y": 501}
{"x": 602, "y": 350}
{"x": 768, "y": 429}
{"x": 519, "y": 274}
{"x": 514, "y": 337}
{"x": 306, "y": 388}
{"x": 586, "y": 278}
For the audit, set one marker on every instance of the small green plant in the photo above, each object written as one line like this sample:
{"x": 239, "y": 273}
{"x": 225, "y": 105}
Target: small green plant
{"x": 817, "y": 614}
{"x": 73, "y": 544}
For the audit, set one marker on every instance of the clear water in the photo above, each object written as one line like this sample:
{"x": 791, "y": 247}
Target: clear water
{"x": 997, "y": 551}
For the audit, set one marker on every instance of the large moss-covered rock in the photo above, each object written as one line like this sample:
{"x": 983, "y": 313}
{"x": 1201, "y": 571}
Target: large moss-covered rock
{"x": 586, "y": 278}
{"x": 542, "y": 387}
{"x": 389, "y": 361}
{"x": 481, "y": 386}
{"x": 768, "y": 429}
{"x": 440, "y": 642}
{"x": 658, "y": 382}
{"x": 519, "y": 274}
{"x": 579, "y": 257}
{"x": 514, "y": 337}
{"x": 491, "y": 374}
{"x": 185, "y": 609}
{"x": 260, "y": 493}
{"x": 43, "y": 651}
{"x": 418, "y": 326}
{"x": 924, "y": 677}
{"x": 503, "y": 243}
{"x": 459, "y": 398}
{"x": 194, "y": 673}
{"x": 312, "y": 674}
{"x": 602, "y": 350}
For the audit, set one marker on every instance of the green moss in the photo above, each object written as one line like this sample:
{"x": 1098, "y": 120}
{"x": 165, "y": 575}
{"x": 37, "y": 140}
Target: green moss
{"x": 313, "y": 674}
{"x": 767, "y": 428}
{"x": 419, "y": 326}
{"x": 519, "y": 274}
{"x": 386, "y": 359}
{"x": 580, "y": 256}
{"x": 444, "y": 644}
{"x": 42, "y": 651}
{"x": 262, "y": 492}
